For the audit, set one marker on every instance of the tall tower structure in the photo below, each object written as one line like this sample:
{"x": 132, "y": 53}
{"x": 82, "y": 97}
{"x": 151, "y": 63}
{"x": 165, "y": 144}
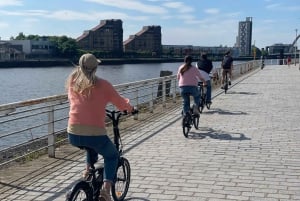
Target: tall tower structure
{"x": 245, "y": 37}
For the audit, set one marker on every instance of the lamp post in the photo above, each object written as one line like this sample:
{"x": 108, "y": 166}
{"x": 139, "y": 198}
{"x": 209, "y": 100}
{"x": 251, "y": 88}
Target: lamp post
{"x": 295, "y": 47}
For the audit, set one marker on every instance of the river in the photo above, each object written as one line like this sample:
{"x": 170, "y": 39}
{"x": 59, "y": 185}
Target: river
{"x": 20, "y": 84}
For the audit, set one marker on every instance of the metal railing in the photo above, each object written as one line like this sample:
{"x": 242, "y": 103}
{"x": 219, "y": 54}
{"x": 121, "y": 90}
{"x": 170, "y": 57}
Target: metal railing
{"x": 37, "y": 125}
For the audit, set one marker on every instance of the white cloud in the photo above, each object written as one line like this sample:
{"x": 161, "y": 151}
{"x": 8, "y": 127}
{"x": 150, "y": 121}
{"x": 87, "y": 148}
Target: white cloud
{"x": 69, "y": 15}
{"x": 181, "y": 7}
{"x": 131, "y": 5}
{"x": 4, "y": 3}
{"x": 273, "y": 6}
{"x": 24, "y": 13}
{"x": 212, "y": 11}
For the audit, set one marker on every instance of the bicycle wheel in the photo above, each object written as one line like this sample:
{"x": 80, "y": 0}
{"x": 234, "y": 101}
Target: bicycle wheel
{"x": 196, "y": 121}
{"x": 186, "y": 124}
{"x": 201, "y": 107}
{"x": 186, "y": 127}
{"x": 80, "y": 192}
{"x": 121, "y": 184}
{"x": 226, "y": 87}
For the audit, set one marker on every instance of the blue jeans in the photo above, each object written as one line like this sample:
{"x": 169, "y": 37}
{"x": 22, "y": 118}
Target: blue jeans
{"x": 186, "y": 91}
{"x": 208, "y": 91}
{"x": 99, "y": 145}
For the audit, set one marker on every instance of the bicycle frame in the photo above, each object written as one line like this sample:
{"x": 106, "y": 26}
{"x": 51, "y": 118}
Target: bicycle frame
{"x": 115, "y": 117}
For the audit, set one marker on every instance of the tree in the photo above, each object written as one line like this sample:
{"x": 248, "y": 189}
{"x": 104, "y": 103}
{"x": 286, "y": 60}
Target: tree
{"x": 21, "y": 36}
{"x": 65, "y": 46}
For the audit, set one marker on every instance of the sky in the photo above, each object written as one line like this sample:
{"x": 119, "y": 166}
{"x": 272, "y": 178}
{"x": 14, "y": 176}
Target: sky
{"x": 183, "y": 22}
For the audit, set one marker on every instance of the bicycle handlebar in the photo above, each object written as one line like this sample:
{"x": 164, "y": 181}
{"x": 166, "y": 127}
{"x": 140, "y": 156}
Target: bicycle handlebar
{"x": 200, "y": 83}
{"x": 111, "y": 113}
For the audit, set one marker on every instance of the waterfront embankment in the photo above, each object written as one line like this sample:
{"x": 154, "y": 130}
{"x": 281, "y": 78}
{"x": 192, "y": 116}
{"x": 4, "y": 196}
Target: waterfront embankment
{"x": 66, "y": 62}
{"x": 36, "y": 63}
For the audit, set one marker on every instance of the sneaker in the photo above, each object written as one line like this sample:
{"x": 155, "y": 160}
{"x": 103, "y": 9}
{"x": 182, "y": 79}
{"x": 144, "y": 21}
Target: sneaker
{"x": 104, "y": 195}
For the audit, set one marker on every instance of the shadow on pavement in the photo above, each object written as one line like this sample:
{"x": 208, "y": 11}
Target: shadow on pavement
{"x": 224, "y": 112}
{"x": 218, "y": 135}
{"x": 136, "y": 199}
{"x": 241, "y": 92}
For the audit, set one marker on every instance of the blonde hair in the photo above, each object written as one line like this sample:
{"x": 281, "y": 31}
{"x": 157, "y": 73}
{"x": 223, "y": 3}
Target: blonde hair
{"x": 81, "y": 80}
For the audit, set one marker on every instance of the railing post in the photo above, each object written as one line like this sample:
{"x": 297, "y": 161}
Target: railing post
{"x": 164, "y": 93}
{"x": 174, "y": 90}
{"x": 51, "y": 136}
{"x": 151, "y": 109}
{"x": 137, "y": 102}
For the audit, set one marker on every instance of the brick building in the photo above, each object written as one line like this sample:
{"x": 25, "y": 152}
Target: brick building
{"x": 106, "y": 37}
{"x": 147, "y": 41}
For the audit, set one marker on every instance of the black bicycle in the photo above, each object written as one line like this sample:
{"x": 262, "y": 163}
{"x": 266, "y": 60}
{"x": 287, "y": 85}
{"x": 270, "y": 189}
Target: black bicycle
{"x": 203, "y": 96}
{"x": 88, "y": 189}
{"x": 189, "y": 119}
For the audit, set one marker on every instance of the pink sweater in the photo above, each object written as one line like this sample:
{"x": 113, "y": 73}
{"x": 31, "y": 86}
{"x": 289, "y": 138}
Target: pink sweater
{"x": 87, "y": 114}
{"x": 190, "y": 77}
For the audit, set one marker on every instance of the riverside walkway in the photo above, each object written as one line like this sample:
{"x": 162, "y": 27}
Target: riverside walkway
{"x": 247, "y": 148}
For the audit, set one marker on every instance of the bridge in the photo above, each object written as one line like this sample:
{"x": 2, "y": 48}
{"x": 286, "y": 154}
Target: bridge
{"x": 247, "y": 147}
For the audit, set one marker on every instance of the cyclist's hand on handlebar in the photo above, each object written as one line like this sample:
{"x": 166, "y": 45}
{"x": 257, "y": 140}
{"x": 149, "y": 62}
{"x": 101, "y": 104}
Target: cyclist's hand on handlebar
{"x": 134, "y": 111}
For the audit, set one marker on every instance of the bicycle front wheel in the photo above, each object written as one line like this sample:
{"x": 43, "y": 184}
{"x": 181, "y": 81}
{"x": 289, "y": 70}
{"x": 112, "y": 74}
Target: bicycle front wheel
{"x": 121, "y": 184}
{"x": 80, "y": 192}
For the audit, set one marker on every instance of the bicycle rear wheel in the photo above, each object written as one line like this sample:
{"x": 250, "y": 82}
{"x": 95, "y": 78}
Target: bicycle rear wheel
{"x": 226, "y": 87}
{"x": 196, "y": 118}
{"x": 121, "y": 184}
{"x": 186, "y": 124}
{"x": 80, "y": 192}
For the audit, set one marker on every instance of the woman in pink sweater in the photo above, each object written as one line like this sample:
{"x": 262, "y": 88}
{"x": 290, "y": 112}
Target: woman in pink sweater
{"x": 188, "y": 77}
{"x": 88, "y": 96}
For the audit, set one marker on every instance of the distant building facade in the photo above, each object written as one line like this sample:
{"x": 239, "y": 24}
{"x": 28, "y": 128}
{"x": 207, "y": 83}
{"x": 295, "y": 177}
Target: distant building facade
{"x": 216, "y": 53}
{"x": 105, "y": 37}
{"x": 9, "y": 52}
{"x": 148, "y": 40}
{"x": 21, "y": 49}
{"x": 244, "y": 38}
{"x": 279, "y": 49}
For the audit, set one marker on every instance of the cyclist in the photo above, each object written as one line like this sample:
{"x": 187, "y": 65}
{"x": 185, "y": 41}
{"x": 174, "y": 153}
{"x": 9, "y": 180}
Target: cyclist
{"x": 205, "y": 66}
{"x": 88, "y": 96}
{"x": 227, "y": 65}
{"x": 188, "y": 77}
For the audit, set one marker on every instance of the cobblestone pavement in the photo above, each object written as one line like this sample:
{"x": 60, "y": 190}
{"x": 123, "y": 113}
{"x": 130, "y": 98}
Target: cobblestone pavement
{"x": 247, "y": 148}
